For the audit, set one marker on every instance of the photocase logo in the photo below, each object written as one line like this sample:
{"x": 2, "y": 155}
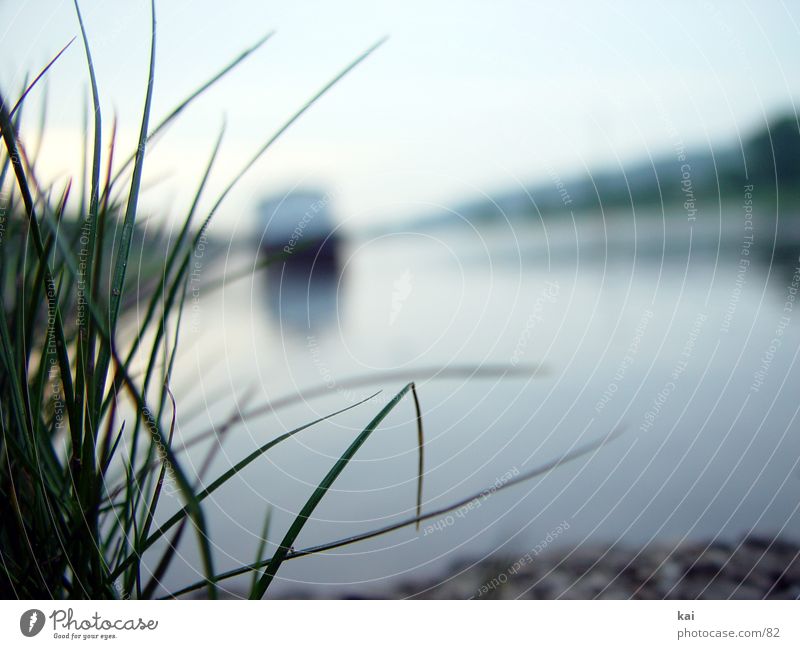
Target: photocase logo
{"x": 402, "y": 289}
{"x": 31, "y": 622}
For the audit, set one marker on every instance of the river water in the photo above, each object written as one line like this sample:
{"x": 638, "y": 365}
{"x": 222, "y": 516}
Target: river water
{"x": 683, "y": 335}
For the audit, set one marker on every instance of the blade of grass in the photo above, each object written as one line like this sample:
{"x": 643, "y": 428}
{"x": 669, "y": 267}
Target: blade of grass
{"x": 192, "y": 507}
{"x": 151, "y": 511}
{"x": 97, "y": 270}
{"x": 164, "y": 563}
{"x": 109, "y": 455}
{"x": 420, "y": 451}
{"x": 41, "y": 74}
{"x": 195, "y": 94}
{"x": 570, "y": 456}
{"x": 54, "y": 311}
{"x": 363, "y": 380}
{"x": 86, "y": 337}
{"x": 46, "y": 352}
{"x": 99, "y": 375}
{"x": 262, "y": 544}
{"x": 121, "y": 264}
{"x": 157, "y": 295}
{"x": 483, "y": 494}
{"x": 170, "y": 552}
{"x": 227, "y": 475}
{"x": 22, "y": 415}
{"x": 41, "y": 129}
{"x": 322, "y": 488}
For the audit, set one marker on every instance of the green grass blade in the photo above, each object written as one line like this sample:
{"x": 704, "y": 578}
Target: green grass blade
{"x": 151, "y": 511}
{"x": 262, "y": 544}
{"x": 38, "y": 77}
{"x": 430, "y": 373}
{"x": 46, "y": 352}
{"x": 322, "y": 488}
{"x": 202, "y": 495}
{"x": 108, "y": 455}
{"x": 171, "y": 296}
{"x": 100, "y": 234}
{"x": 192, "y": 507}
{"x": 199, "y": 91}
{"x": 21, "y": 413}
{"x": 484, "y": 493}
{"x": 84, "y": 280}
{"x": 420, "y": 451}
{"x": 570, "y": 456}
{"x": 16, "y": 156}
{"x": 195, "y": 94}
{"x": 166, "y": 558}
{"x": 121, "y": 264}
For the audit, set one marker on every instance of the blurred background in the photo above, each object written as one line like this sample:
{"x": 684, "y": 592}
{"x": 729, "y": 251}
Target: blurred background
{"x": 600, "y": 198}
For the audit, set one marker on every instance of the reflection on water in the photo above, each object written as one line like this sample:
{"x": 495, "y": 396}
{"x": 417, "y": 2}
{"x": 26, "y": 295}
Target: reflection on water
{"x": 302, "y": 293}
{"x": 653, "y": 327}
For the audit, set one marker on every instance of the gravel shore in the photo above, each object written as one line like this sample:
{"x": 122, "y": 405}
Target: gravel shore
{"x": 754, "y": 568}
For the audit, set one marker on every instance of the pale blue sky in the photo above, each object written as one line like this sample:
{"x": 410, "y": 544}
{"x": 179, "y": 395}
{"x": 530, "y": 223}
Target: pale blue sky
{"x": 465, "y": 97}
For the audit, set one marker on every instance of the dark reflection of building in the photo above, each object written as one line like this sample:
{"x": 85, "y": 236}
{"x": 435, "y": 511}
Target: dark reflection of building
{"x": 300, "y": 239}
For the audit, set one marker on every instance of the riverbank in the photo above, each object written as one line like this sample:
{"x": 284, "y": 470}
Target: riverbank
{"x": 754, "y": 568}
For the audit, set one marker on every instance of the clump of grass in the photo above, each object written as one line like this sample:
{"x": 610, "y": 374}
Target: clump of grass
{"x": 67, "y": 531}
{"x": 87, "y": 441}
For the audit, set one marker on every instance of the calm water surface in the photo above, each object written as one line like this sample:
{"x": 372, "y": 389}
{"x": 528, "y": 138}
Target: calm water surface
{"x": 662, "y": 331}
